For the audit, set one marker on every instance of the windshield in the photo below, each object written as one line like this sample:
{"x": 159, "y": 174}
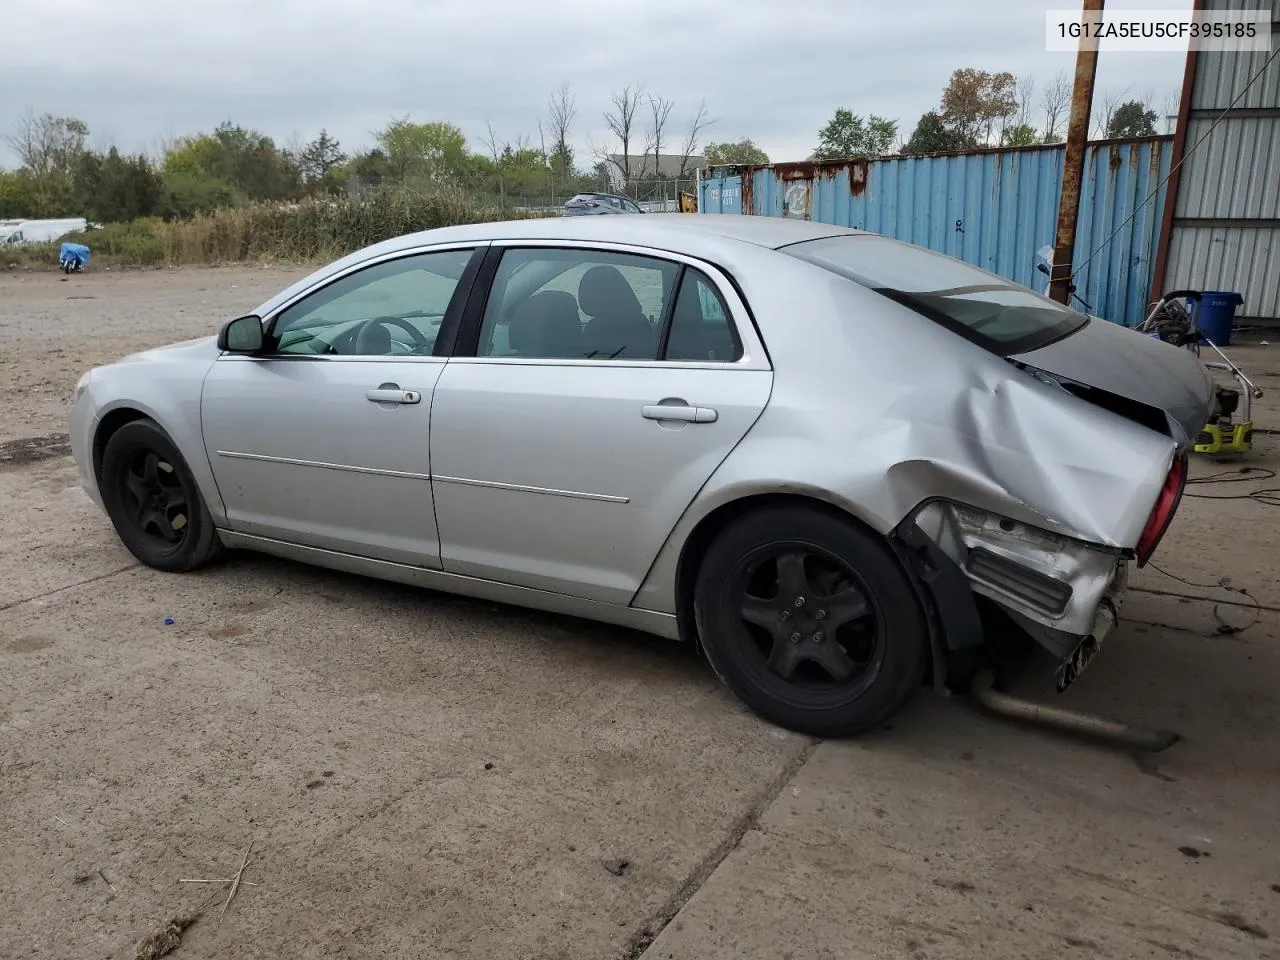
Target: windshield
{"x": 994, "y": 313}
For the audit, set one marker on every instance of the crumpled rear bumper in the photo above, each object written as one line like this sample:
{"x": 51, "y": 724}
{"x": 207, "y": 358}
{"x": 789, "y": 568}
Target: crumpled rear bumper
{"x": 1066, "y": 593}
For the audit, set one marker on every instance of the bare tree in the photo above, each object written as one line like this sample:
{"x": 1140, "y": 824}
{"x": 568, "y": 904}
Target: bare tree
{"x": 661, "y": 109}
{"x": 1054, "y": 100}
{"x": 621, "y": 121}
{"x": 47, "y": 144}
{"x": 1025, "y": 92}
{"x": 1169, "y": 104}
{"x": 562, "y": 111}
{"x": 490, "y": 140}
{"x": 699, "y": 123}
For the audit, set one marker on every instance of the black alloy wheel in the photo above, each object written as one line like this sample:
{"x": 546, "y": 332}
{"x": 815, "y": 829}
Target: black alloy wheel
{"x": 153, "y": 501}
{"x": 810, "y": 619}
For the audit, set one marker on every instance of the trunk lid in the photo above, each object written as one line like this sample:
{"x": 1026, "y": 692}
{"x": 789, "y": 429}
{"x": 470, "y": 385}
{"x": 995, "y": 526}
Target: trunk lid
{"x": 1102, "y": 361}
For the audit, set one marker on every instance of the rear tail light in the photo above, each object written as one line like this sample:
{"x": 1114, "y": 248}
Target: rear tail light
{"x": 1162, "y": 513}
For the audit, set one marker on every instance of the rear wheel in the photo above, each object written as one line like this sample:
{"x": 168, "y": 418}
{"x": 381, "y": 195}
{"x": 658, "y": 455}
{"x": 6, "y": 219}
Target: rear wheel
{"x": 153, "y": 501}
{"x": 810, "y": 621}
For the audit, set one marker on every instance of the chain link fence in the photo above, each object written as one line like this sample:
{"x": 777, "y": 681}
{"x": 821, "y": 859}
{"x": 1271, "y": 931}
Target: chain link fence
{"x": 651, "y": 195}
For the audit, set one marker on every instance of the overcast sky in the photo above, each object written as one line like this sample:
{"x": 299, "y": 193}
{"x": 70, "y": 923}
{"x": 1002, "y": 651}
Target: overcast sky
{"x": 140, "y": 71}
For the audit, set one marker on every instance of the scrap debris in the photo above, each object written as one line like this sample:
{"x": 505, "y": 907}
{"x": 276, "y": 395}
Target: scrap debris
{"x": 234, "y": 882}
{"x": 165, "y": 939}
{"x": 168, "y": 936}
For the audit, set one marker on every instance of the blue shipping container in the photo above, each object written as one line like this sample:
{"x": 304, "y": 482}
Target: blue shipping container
{"x": 992, "y": 208}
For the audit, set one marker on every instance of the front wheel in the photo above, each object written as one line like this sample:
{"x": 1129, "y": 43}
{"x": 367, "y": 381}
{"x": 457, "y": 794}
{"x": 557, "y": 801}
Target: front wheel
{"x": 810, "y": 621}
{"x": 153, "y": 501}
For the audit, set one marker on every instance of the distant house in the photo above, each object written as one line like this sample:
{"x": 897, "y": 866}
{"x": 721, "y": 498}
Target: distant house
{"x": 642, "y": 167}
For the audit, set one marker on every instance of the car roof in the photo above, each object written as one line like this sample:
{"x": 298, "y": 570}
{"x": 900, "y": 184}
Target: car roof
{"x": 670, "y": 231}
{"x": 712, "y": 237}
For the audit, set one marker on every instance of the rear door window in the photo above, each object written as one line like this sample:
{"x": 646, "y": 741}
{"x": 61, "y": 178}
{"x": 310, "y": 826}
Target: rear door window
{"x": 549, "y": 303}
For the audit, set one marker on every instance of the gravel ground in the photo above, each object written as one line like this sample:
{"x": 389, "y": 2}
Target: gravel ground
{"x": 425, "y": 776}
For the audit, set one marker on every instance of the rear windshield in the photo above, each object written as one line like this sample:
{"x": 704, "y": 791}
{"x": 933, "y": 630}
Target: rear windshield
{"x": 994, "y": 313}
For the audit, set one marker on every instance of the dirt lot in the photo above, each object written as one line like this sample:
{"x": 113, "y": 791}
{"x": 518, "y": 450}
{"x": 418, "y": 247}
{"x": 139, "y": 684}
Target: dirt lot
{"x": 424, "y": 776}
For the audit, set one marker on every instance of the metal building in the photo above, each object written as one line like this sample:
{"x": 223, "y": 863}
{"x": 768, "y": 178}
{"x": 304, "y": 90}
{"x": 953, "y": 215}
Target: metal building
{"x": 1222, "y": 231}
{"x": 994, "y": 208}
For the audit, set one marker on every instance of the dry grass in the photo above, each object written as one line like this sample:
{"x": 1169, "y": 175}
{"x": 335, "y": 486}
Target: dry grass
{"x": 308, "y": 231}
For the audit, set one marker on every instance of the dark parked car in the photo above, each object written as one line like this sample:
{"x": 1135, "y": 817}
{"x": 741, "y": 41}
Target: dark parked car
{"x": 585, "y": 204}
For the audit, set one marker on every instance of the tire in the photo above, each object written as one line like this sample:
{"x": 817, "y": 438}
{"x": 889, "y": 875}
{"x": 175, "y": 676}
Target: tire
{"x": 153, "y": 501}
{"x": 863, "y": 643}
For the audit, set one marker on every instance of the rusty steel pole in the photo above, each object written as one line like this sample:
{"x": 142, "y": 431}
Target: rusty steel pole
{"x": 1073, "y": 164}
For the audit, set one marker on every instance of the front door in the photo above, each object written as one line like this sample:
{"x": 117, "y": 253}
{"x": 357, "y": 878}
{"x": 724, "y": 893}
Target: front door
{"x": 604, "y": 390}
{"x": 325, "y": 439}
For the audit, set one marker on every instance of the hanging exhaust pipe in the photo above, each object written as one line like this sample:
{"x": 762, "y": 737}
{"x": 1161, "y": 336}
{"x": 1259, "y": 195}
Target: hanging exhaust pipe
{"x": 1069, "y": 721}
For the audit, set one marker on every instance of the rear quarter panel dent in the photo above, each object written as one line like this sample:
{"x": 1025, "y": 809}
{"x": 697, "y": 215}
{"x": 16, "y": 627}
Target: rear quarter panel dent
{"x": 875, "y": 409}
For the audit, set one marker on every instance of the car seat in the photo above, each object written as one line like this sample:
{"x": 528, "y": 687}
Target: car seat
{"x": 618, "y": 324}
{"x": 547, "y": 325}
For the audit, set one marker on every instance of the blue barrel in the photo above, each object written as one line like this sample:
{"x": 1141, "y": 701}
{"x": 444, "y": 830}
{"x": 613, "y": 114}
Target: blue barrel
{"x": 1217, "y": 313}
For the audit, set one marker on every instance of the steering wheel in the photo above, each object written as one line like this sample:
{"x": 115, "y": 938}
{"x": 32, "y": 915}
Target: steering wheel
{"x": 420, "y": 343}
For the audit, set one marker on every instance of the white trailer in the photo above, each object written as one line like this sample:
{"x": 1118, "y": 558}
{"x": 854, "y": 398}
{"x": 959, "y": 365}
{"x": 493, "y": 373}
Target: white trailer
{"x": 17, "y": 232}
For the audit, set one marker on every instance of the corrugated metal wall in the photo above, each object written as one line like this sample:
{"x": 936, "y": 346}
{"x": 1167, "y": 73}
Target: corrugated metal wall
{"x": 1225, "y": 231}
{"x": 993, "y": 208}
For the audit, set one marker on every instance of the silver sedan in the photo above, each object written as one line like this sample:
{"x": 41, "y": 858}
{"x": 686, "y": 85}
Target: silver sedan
{"x": 819, "y": 454}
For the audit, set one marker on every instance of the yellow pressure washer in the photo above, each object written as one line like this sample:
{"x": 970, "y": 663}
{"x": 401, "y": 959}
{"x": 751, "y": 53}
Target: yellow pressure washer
{"x": 1222, "y": 436}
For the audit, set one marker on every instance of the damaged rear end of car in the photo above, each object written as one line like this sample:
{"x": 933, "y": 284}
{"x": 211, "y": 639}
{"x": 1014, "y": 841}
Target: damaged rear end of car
{"x": 1058, "y": 463}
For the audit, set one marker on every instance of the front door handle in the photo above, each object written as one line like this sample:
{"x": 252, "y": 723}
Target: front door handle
{"x": 683, "y": 412}
{"x": 393, "y": 395}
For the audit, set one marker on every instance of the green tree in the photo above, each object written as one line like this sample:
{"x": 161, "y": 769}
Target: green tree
{"x": 188, "y": 194}
{"x": 15, "y": 194}
{"x": 848, "y": 135}
{"x": 319, "y": 162}
{"x": 236, "y": 161}
{"x": 974, "y": 100}
{"x": 740, "y": 154}
{"x": 1021, "y": 135}
{"x": 1132, "y": 119}
{"x": 368, "y": 169}
{"x": 48, "y": 147}
{"x": 110, "y": 188}
{"x": 197, "y": 156}
{"x": 423, "y": 151}
{"x": 932, "y": 135}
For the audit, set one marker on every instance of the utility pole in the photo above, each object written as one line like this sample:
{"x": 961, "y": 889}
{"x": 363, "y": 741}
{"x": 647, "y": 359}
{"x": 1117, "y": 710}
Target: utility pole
{"x": 1073, "y": 164}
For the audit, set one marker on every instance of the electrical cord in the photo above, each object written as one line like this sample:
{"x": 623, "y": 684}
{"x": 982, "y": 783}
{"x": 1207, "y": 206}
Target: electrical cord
{"x": 1223, "y": 629}
{"x": 1270, "y": 496}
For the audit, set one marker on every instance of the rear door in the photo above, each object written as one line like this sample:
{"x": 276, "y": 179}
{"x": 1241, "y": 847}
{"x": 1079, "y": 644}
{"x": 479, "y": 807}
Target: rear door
{"x": 597, "y": 389}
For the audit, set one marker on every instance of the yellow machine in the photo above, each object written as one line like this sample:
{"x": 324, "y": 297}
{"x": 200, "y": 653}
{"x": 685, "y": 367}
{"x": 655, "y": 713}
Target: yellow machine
{"x": 1223, "y": 436}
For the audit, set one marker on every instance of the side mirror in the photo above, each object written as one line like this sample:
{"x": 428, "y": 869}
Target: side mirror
{"x": 241, "y": 335}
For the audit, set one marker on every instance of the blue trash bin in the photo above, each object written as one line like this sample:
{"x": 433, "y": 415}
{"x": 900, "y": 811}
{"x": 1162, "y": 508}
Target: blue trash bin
{"x": 1217, "y": 313}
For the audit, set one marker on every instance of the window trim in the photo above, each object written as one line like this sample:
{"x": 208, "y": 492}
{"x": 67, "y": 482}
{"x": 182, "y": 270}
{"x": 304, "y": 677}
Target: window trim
{"x": 449, "y": 324}
{"x": 753, "y": 356}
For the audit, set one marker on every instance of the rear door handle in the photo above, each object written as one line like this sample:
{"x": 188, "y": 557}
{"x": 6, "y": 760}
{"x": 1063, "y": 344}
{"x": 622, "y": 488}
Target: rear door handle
{"x": 393, "y": 395}
{"x": 663, "y": 411}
